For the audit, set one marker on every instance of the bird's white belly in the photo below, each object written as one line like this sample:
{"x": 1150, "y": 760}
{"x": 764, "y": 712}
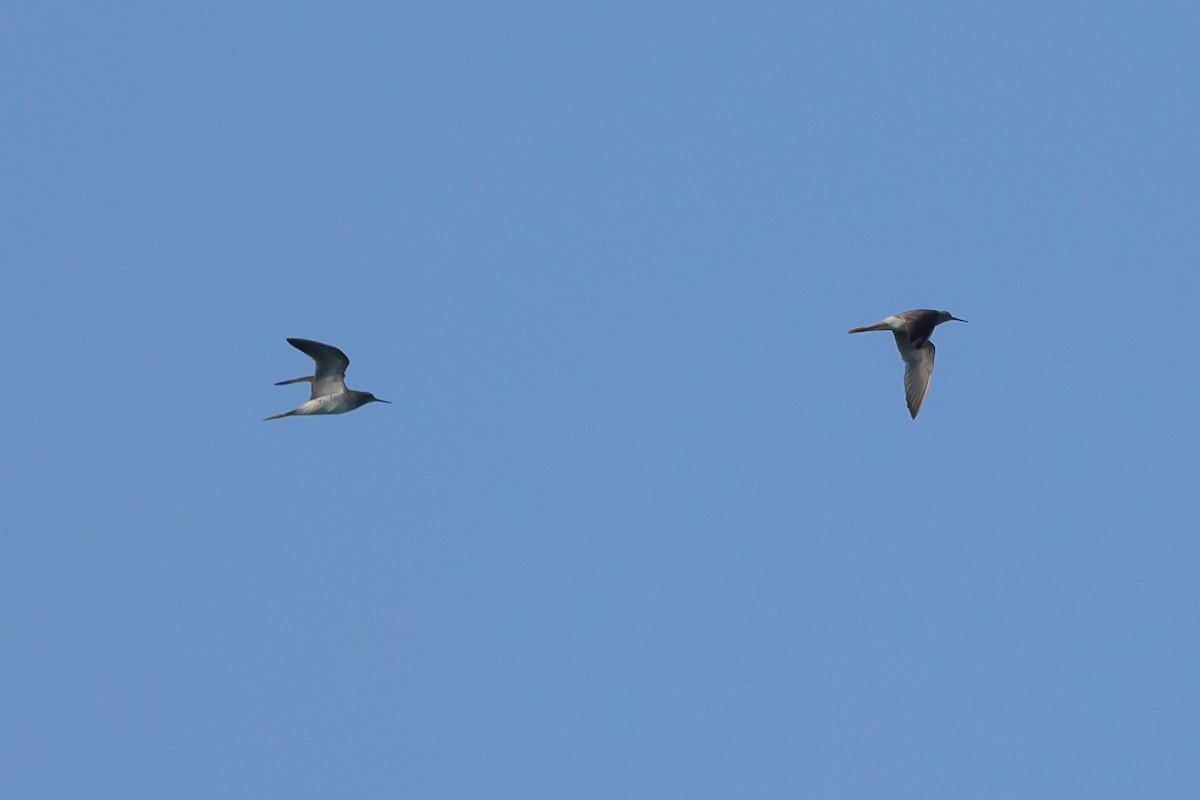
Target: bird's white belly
{"x": 330, "y": 404}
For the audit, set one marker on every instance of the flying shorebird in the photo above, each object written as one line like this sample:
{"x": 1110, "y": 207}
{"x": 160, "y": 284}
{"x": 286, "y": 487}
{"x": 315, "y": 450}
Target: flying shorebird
{"x": 329, "y": 392}
{"x": 912, "y": 330}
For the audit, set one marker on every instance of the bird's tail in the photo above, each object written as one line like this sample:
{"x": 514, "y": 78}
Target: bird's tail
{"x": 878, "y": 326}
{"x": 306, "y": 378}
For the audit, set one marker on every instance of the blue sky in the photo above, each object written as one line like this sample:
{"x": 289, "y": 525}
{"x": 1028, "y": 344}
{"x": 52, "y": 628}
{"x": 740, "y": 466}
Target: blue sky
{"x": 643, "y": 521}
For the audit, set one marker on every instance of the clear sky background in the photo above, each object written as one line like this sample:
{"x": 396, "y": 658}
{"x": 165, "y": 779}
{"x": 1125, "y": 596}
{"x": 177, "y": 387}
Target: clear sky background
{"x": 644, "y": 521}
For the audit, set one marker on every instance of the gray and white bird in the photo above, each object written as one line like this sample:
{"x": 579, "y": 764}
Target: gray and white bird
{"x": 912, "y": 330}
{"x": 329, "y": 392}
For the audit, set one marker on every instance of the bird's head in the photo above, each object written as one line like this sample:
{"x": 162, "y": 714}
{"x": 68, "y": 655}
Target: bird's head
{"x": 945, "y": 316}
{"x": 367, "y": 397}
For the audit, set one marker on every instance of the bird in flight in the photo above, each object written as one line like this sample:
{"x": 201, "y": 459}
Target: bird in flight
{"x": 912, "y": 330}
{"x": 329, "y": 392}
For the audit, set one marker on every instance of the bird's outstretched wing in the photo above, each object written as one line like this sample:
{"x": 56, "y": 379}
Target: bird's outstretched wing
{"x": 331, "y": 366}
{"x": 918, "y": 369}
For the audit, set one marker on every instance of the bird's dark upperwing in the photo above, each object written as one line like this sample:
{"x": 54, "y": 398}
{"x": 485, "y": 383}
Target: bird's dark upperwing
{"x": 920, "y": 326}
{"x": 331, "y": 366}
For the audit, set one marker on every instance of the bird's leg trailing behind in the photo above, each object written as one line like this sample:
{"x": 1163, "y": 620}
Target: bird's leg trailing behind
{"x": 878, "y": 326}
{"x": 893, "y": 323}
{"x": 306, "y": 378}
